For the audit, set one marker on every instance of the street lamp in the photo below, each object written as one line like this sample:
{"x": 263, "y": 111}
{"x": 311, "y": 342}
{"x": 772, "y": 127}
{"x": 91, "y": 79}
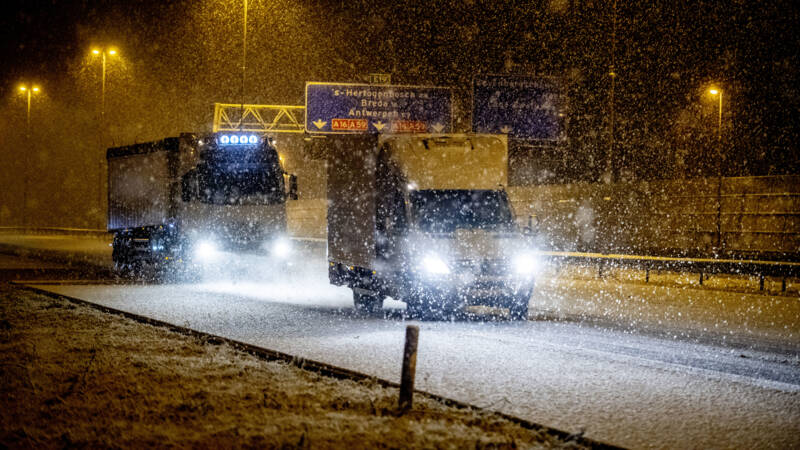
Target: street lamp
{"x": 29, "y": 90}
{"x": 244, "y": 64}
{"x": 104, "y": 52}
{"x": 718, "y": 92}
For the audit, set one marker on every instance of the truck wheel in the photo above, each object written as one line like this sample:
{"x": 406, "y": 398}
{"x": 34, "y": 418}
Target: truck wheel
{"x": 367, "y": 301}
{"x": 119, "y": 256}
{"x": 121, "y": 269}
{"x": 518, "y": 307}
{"x": 417, "y": 309}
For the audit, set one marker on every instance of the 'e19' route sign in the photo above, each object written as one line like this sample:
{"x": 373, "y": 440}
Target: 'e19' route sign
{"x": 335, "y": 108}
{"x": 522, "y": 107}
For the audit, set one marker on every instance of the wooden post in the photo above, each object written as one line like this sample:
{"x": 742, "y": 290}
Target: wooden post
{"x": 409, "y": 368}
{"x": 701, "y": 278}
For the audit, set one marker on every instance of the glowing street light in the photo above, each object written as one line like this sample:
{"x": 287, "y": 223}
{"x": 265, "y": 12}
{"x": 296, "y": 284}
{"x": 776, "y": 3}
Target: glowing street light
{"x": 29, "y": 90}
{"x": 718, "y": 92}
{"x": 104, "y": 52}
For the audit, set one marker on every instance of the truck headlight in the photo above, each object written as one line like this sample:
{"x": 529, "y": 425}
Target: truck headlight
{"x": 281, "y": 248}
{"x": 206, "y": 250}
{"x": 434, "y": 265}
{"x": 525, "y": 264}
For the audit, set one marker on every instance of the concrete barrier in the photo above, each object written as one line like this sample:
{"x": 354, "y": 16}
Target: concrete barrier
{"x": 742, "y": 216}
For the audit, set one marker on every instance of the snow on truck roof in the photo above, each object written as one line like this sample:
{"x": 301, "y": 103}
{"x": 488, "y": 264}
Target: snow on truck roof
{"x": 453, "y": 161}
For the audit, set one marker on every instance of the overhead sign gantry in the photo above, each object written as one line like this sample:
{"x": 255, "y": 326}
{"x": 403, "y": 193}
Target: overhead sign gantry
{"x": 258, "y": 118}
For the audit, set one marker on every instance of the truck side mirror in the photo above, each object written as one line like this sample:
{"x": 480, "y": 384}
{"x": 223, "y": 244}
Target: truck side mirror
{"x": 532, "y": 226}
{"x": 190, "y": 188}
{"x": 292, "y": 187}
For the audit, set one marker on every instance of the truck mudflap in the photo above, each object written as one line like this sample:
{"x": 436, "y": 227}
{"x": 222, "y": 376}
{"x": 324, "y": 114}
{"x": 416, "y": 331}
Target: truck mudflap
{"x": 340, "y": 274}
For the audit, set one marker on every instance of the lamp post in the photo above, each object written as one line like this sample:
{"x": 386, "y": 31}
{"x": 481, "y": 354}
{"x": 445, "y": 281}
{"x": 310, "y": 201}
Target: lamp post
{"x": 718, "y": 92}
{"x": 29, "y": 90}
{"x": 104, "y": 52}
{"x": 244, "y": 65}
{"x": 612, "y": 74}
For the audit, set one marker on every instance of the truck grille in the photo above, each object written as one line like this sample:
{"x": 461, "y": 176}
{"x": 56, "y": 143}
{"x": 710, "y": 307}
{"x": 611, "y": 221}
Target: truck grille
{"x": 243, "y": 231}
{"x": 490, "y": 267}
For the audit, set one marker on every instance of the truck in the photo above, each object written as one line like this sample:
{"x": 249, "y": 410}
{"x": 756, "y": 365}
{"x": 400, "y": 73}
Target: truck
{"x": 181, "y": 199}
{"x": 425, "y": 219}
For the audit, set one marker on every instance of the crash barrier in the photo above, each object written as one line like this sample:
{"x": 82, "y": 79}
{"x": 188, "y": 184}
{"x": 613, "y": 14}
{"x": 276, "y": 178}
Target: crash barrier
{"x": 60, "y": 231}
{"x": 603, "y": 261}
{"x": 701, "y": 266}
{"x": 739, "y": 217}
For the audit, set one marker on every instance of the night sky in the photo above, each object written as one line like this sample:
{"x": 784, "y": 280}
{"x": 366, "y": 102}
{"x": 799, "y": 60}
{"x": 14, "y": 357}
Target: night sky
{"x": 178, "y": 58}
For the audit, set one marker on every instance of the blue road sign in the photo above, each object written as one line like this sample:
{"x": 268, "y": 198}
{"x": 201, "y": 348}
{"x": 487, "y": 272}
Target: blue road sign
{"x": 333, "y": 108}
{"x": 522, "y": 107}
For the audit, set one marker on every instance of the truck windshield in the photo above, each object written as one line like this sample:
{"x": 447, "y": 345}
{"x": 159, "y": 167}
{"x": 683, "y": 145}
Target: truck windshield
{"x": 242, "y": 175}
{"x": 247, "y": 188}
{"x": 237, "y": 158}
{"x": 444, "y": 211}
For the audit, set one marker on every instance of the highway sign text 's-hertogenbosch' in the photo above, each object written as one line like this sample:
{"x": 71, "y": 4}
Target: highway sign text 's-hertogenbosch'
{"x": 522, "y": 107}
{"x": 335, "y": 108}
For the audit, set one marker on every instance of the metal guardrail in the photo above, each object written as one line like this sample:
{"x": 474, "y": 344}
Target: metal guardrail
{"x": 55, "y": 230}
{"x": 703, "y": 266}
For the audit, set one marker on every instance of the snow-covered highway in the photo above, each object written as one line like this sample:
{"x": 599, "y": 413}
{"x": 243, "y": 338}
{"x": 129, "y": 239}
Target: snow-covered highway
{"x": 631, "y": 375}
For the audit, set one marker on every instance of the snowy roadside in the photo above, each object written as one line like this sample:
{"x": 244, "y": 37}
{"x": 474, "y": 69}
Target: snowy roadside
{"x": 726, "y": 308}
{"x": 75, "y": 376}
